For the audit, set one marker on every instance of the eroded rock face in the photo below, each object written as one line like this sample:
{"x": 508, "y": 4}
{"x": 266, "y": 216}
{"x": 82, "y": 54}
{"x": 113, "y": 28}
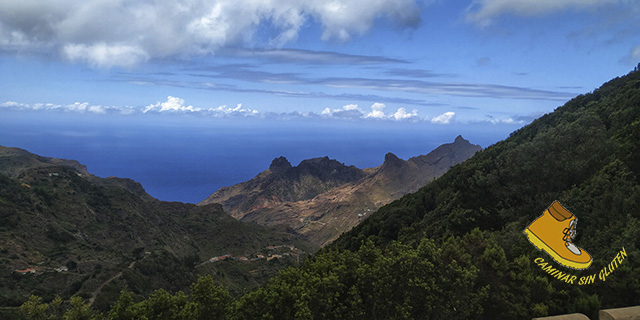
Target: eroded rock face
{"x": 280, "y": 164}
{"x": 322, "y": 198}
{"x": 284, "y": 183}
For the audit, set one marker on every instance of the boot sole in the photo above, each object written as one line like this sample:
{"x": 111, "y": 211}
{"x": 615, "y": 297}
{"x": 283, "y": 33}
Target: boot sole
{"x": 538, "y": 243}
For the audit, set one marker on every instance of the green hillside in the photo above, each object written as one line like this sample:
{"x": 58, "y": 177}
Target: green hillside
{"x": 584, "y": 154}
{"x": 92, "y": 237}
{"x": 456, "y": 248}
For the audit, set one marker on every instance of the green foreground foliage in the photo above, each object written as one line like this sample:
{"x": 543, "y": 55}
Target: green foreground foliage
{"x": 399, "y": 282}
{"x": 457, "y": 278}
{"x": 205, "y": 301}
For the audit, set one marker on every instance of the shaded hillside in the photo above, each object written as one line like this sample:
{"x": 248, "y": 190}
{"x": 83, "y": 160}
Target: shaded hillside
{"x": 15, "y": 161}
{"x": 343, "y": 203}
{"x": 77, "y": 231}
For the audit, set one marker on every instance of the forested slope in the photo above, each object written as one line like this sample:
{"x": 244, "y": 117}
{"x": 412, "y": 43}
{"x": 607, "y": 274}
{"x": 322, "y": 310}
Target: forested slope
{"x": 585, "y": 154}
{"x": 65, "y": 232}
{"x": 456, "y": 248}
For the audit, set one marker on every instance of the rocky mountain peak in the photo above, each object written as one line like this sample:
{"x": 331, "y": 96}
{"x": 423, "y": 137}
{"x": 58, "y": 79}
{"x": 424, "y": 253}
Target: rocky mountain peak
{"x": 317, "y": 161}
{"x": 391, "y": 159}
{"x": 319, "y": 164}
{"x": 280, "y": 164}
{"x": 325, "y": 168}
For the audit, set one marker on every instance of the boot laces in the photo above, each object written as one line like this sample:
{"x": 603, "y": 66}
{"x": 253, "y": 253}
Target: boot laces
{"x": 569, "y": 235}
{"x": 570, "y": 232}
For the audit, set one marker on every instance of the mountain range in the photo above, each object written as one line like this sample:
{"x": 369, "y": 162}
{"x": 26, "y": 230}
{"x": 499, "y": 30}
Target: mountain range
{"x": 322, "y": 198}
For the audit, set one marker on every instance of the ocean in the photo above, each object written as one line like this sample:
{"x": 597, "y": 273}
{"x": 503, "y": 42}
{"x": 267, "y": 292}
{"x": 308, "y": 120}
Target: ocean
{"x": 182, "y": 158}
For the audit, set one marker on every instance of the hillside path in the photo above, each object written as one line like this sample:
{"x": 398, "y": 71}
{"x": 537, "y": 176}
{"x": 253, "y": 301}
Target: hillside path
{"x": 96, "y": 292}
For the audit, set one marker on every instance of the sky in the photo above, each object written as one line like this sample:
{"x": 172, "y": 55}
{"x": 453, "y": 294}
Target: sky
{"x": 389, "y": 68}
{"x": 439, "y": 62}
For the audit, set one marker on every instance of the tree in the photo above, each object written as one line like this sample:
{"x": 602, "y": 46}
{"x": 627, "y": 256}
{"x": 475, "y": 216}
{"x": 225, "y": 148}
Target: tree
{"x": 210, "y": 301}
{"x": 35, "y": 309}
{"x": 80, "y": 311}
{"x": 124, "y": 308}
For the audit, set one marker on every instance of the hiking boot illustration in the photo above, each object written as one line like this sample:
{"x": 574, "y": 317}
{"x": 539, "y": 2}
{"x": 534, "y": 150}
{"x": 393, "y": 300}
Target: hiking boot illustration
{"x": 553, "y": 233}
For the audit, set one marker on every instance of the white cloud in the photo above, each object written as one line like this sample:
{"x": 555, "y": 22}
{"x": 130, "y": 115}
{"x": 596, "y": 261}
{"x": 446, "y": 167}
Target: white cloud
{"x": 377, "y": 112}
{"x": 97, "y": 109}
{"x": 510, "y": 120}
{"x": 350, "y": 107}
{"x": 342, "y": 19}
{"x": 124, "y": 33}
{"x": 79, "y": 107}
{"x": 224, "y": 111}
{"x": 402, "y": 114}
{"x": 482, "y": 12}
{"x": 11, "y": 104}
{"x": 444, "y": 118}
{"x": 173, "y": 104}
{"x": 350, "y": 111}
{"x": 105, "y": 55}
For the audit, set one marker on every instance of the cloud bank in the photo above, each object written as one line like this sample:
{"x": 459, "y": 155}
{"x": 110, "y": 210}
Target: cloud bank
{"x": 173, "y": 105}
{"x": 79, "y": 107}
{"x": 177, "y": 106}
{"x": 125, "y": 33}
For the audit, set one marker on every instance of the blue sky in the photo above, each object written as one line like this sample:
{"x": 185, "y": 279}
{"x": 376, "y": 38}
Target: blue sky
{"x": 433, "y": 61}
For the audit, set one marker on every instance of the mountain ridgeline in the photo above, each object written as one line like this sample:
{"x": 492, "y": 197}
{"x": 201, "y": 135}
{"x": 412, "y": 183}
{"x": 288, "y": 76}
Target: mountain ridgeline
{"x": 322, "y": 198}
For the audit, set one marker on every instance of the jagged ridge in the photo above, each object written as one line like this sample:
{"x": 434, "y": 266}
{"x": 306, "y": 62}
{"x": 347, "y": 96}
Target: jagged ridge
{"x": 346, "y": 194}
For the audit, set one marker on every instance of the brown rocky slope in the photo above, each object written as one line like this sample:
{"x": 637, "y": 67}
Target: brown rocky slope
{"x": 322, "y": 198}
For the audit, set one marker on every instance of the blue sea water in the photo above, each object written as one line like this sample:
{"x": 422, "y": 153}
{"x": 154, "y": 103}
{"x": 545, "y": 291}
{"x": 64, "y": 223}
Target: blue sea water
{"x": 180, "y": 158}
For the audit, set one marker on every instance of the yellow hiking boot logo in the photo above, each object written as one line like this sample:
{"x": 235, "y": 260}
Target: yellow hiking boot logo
{"x": 553, "y": 232}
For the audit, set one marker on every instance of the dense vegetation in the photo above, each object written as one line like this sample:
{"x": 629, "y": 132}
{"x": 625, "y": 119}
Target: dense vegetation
{"x": 455, "y": 249}
{"x": 90, "y": 237}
